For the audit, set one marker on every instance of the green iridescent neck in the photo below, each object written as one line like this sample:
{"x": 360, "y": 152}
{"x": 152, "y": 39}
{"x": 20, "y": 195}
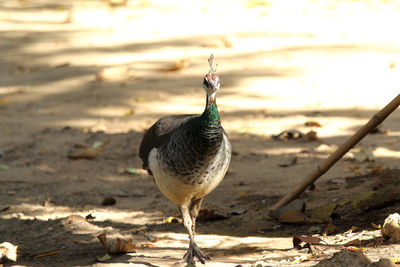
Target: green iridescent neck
{"x": 210, "y": 116}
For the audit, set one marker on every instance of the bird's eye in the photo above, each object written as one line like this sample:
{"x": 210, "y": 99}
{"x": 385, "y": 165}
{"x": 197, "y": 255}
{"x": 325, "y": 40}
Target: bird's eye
{"x": 206, "y": 83}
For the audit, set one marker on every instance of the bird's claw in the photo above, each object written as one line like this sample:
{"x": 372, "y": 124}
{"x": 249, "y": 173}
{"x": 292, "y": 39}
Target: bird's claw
{"x": 193, "y": 252}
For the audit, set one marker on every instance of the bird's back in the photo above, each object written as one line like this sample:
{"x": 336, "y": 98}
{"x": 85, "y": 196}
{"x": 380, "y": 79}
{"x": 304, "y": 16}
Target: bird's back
{"x": 160, "y": 133}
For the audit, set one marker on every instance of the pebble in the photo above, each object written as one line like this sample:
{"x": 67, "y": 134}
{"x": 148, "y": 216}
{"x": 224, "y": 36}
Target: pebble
{"x": 391, "y": 228}
{"x": 109, "y": 201}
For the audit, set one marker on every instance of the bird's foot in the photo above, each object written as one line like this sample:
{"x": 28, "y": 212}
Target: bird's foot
{"x": 193, "y": 252}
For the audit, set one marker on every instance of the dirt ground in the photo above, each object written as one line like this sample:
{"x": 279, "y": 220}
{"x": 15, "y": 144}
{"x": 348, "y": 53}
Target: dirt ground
{"x": 85, "y": 73}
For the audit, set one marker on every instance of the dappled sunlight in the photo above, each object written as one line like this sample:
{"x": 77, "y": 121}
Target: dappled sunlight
{"x": 221, "y": 242}
{"x": 383, "y": 152}
{"x": 28, "y": 211}
{"x": 266, "y": 67}
{"x": 326, "y": 67}
{"x": 267, "y": 125}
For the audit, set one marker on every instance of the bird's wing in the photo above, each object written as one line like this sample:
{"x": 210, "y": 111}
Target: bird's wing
{"x": 159, "y": 134}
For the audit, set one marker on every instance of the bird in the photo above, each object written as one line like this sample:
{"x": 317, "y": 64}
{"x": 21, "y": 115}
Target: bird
{"x": 188, "y": 156}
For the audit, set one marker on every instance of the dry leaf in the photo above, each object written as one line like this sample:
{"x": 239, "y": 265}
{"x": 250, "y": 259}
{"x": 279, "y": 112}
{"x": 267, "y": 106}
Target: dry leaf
{"x": 9, "y": 251}
{"x": 377, "y": 170}
{"x": 287, "y": 135}
{"x": 298, "y": 240}
{"x": 323, "y": 212}
{"x": 139, "y": 229}
{"x": 176, "y": 66}
{"x": 355, "y": 249}
{"x": 376, "y": 226}
{"x": 140, "y": 99}
{"x": 329, "y": 228}
{"x": 354, "y": 228}
{"x": 104, "y": 258}
{"x": 129, "y": 112}
{"x": 243, "y": 193}
{"x": 115, "y": 3}
{"x": 90, "y": 152}
{"x": 353, "y": 242}
{"x": 112, "y": 73}
{"x": 147, "y": 245}
{"x": 302, "y": 258}
{"x": 131, "y": 170}
{"x": 395, "y": 260}
{"x": 171, "y": 219}
{"x": 209, "y": 215}
{"x": 296, "y": 204}
{"x": 363, "y": 196}
{"x": 4, "y": 100}
{"x": 117, "y": 245}
{"x": 311, "y": 136}
{"x": 293, "y": 216}
{"x": 312, "y": 124}
{"x": 354, "y": 169}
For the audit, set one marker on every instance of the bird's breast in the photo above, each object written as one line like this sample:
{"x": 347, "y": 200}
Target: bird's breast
{"x": 186, "y": 179}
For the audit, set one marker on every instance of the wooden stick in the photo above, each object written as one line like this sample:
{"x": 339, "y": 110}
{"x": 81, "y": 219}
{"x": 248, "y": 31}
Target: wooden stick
{"x": 339, "y": 153}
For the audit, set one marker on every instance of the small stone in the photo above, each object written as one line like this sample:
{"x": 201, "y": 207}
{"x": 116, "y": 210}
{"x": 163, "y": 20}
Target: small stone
{"x": 276, "y": 227}
{"x": 238, "y": 212}
{"x": 90, "y": 217}
{"x": 109, "y": 201}
{"x": 260, "y": 264}
{"x": 391, "y": 228}
{"x": 383, "y": 263}
{"x": 314, "y": 229}
{"x": 346, "y": 258}
{"x": 296, "y": 204}
{"x": 11, "y": 192}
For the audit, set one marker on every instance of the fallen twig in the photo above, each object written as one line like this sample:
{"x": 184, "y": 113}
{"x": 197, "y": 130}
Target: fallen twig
{"x": 339, "y": 153}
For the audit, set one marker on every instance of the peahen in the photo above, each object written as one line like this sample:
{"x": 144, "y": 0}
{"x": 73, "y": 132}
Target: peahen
{"x": 188, "y": 156}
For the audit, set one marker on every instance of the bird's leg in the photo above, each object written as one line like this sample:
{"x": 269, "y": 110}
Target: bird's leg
{"x": 194, "y": 212}
{"x": 193, "y": 250}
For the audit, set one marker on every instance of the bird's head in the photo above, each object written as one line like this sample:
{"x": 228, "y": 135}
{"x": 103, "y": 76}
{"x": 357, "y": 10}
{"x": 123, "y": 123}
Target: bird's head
{"x": 211, "y": 81}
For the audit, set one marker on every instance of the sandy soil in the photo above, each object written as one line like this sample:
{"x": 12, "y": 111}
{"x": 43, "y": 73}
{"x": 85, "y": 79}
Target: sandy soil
{"x": 281, "y": 65}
